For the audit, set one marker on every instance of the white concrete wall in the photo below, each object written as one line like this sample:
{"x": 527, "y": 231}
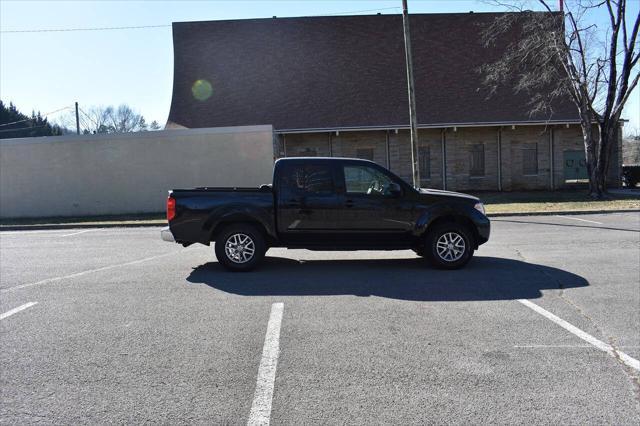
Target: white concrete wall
{"x": 126, "y": 173}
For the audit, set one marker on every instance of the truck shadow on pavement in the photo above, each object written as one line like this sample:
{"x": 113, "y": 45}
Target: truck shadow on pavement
{"x": 484, "y": 278}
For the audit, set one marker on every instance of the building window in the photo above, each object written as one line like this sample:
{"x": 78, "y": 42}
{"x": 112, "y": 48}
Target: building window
{"x": 424, "y": 162}
{"x": 477, "y": 160}
{"x": 530, "y": 159}
{"x": 308, "y": 152}
{"x": 365, "y": 153}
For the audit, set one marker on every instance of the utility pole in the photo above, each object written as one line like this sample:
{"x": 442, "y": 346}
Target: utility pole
{"x": 77, "y": 120}
{"x": 412, "y": 97}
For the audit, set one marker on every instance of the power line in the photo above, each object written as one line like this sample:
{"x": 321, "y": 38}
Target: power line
{"x": 35, "y": 118}
{"x": 89, "y": 118}
{"x": 361, "y": 11}
{"x": 60, "y": 30}
{"x": 137, "y": 27}
{"x": 19, "y": 129}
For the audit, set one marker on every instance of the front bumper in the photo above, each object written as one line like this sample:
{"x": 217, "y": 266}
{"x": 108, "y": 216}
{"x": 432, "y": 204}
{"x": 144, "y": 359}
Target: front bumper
{"x": 166, "y": 235}
{"x": 484, "y": 230}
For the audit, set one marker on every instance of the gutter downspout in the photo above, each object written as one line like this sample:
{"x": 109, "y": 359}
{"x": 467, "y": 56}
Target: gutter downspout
{"x": 388, "y": 151}
{"x": 443, "y": 141}
{"x": 499, "y": 158}
{"x": 552, "y": 182}
{"x": 284, "y": 144}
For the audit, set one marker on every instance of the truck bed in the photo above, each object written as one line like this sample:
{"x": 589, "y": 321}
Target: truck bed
{"x": 200, "y": 210}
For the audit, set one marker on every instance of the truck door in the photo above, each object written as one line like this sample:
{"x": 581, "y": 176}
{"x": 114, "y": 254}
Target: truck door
{"x": 371, "y": 213}
{"x": 307, "y": 200}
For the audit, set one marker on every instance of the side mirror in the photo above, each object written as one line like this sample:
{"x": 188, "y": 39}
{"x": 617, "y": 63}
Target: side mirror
{"x": 394, "y": 189}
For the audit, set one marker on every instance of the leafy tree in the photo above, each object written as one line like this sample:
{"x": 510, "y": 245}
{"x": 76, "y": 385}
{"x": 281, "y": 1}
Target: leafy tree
{"x": 562, "y": 54}
{"x": 14, "y": 124}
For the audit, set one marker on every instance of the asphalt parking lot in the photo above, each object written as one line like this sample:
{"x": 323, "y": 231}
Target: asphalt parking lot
{"x": 116, "y": 326}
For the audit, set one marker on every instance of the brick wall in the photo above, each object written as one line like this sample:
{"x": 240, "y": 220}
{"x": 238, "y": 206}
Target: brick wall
{"x": 305, "y": 144}
{"x": 400, "y": 155}
{"x": 347, "y": 144}
{"x": 458, "y": 148}
{"x": 570, "y": 139}
{"x": 516, "y": 144}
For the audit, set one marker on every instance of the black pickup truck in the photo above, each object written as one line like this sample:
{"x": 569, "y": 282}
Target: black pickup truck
{"x": 328, "y": 204}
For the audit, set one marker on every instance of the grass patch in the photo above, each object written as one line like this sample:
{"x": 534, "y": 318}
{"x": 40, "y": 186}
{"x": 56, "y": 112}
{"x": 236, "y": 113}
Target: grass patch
{"x": 554, "y": 201}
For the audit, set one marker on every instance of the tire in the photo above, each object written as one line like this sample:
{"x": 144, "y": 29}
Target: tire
{"x": 449, "y": 246}
{"x": 233, "y": 247}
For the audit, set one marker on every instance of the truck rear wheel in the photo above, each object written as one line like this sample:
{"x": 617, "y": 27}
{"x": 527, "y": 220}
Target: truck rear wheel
{"x": 449, "y": 246}
{"x": 240, "y": 247}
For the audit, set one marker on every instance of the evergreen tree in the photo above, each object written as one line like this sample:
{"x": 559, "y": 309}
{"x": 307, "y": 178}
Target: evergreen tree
{"x": 14, "y": 124}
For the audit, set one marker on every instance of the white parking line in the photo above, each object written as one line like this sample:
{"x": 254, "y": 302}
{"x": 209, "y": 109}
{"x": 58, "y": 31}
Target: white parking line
{"x": 89, "y": 271}
{"x": 566, "y": 346}
{"x": 263, "y": 396}
{"x": 79, "y": 232}
{"x": 48, "y": 231}
{"x": 18, "y": 309}
{"x": 626, "y": 359}
{"x": 581, "y": 220}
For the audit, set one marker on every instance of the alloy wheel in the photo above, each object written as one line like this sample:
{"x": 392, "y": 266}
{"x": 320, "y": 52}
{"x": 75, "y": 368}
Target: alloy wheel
{"x": 450, "y": 246}
{"x": 239, "y": 248}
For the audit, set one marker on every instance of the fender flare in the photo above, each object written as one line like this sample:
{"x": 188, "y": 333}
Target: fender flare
{"x": 240, "y": 213}
{"x": 459, "y": 213}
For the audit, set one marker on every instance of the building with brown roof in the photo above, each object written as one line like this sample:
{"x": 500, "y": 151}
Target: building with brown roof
{"x": 336, "y": 86}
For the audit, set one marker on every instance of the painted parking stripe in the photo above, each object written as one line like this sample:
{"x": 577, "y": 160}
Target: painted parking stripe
{"x": 16, "y": 310}
{"x": 261, "y": 406}
{"x": 567, "y": 346}
{"x": 89, "y": 271}
{"x": 581, "y": 220}
{"x": 35, "y": 232}
{"x": 626, "y": 359}
{"x": 79, "y": 232}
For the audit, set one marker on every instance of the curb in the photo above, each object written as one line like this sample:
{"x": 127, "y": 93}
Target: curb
{"x": 143, "y": 224}
{"x": 560, "y": 213}
{"x": 54, "y": 226}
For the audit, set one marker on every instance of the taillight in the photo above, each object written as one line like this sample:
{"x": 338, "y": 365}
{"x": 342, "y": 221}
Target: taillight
{"x": 171, "y": 208}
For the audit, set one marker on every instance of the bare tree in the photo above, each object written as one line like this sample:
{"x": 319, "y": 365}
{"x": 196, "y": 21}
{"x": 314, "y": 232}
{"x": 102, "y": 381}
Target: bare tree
{"x": 559, "y": 54}
{"x": 107, "y": 119}
{"x": 95, "y": 119}
{"x": 124, "y": 119}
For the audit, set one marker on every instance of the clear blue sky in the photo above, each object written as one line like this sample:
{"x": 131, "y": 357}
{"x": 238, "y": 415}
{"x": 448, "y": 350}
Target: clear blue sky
{"x": 49, "y": 70}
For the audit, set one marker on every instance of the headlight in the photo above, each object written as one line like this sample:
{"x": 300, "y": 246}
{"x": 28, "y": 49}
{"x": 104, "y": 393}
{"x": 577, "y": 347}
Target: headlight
{"x": 480, "y": 207}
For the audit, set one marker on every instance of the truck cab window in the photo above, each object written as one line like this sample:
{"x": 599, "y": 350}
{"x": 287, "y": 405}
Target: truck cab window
{"x": 365, "y": 180}
{"x": 308, "y": 179}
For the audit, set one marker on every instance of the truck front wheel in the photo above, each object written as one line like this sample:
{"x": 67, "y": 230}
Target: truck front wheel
{"x": 240, "y": 247}
{"x": 449, "y": 246}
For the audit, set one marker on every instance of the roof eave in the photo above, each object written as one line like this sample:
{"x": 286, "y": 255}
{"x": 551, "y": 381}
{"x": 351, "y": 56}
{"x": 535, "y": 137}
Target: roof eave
{"x": 429, "y": 126}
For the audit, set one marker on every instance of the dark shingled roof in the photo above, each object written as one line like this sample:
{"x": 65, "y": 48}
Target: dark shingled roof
{"x": 340, "y": 72}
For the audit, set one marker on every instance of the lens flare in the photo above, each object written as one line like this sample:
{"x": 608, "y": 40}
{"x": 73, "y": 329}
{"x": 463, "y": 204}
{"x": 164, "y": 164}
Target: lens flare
{"x": 202, "y": 90}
